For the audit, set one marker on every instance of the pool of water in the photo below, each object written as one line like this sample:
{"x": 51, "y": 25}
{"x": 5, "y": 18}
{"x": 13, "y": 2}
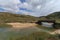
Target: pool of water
{"x": 47, "y": 24}
{"x": 7, "y": 33}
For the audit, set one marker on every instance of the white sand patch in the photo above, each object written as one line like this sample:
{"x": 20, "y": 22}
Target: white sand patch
{"x": 22, "y": 25}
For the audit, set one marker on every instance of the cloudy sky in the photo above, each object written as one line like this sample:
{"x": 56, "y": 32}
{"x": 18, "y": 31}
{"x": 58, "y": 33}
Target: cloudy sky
{"x": 30, "y": 7}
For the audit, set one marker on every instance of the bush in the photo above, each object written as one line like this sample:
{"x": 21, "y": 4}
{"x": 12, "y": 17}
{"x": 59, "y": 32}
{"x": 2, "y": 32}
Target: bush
{"x": 3, "y": 25}
{"x": 57, "y": 25}
{"x": 36, "y": 36}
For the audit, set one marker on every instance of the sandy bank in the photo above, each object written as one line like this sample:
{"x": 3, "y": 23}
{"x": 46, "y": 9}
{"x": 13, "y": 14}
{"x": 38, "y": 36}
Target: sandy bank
{"x": 22, "y": 25}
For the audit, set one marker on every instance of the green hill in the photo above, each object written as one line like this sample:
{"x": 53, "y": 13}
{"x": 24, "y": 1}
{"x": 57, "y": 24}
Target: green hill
{"x": 11, "y": 17}
{"x": 54, "y": 15}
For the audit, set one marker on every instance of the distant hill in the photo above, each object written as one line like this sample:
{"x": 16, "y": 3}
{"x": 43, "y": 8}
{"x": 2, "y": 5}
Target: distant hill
{"x": 10, "y": 17}
{"x": 54, "y": 15}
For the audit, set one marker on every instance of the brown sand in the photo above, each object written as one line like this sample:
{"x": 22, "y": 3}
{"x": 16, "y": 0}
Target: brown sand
{"x": 22, "y": 25}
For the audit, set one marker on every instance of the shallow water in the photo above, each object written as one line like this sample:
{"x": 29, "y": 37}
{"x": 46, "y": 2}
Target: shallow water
{"x": 47, "y": 24}
{"x": 7, "y": 33}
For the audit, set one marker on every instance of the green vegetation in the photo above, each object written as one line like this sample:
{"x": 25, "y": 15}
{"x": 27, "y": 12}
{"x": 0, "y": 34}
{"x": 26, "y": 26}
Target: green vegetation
{"x": 3, "y": 25}
{"x": 57, "y": 25}
{"x": 54, "y": 16}
{"x": 6, "y": 17}
{"x": 35, "y": 36}
{"x": 11, "y": 17}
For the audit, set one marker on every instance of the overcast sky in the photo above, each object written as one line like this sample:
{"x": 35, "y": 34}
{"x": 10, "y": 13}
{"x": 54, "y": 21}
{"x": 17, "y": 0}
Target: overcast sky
{"x": 30, "y": 7}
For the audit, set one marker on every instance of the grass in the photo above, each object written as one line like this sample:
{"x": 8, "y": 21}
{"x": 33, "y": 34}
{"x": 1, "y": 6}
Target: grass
{"x": 35, "y": 36}
{"x": 4, "y": 25}
{"x": 6, "y": 17}
{"x": 14, "y": 35}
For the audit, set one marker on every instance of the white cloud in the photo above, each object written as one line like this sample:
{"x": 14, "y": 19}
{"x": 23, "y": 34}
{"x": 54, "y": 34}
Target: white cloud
{"x": 26, "y": 4}
{"x": 10, "y": 5}
{"x": 14, "y": 5}
{"x": 51, "y": 6}
{"x": 39, "y": 7}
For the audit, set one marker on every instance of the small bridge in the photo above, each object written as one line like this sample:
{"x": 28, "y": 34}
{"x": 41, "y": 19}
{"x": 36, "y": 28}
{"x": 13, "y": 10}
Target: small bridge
{"x": 48, "y": 21}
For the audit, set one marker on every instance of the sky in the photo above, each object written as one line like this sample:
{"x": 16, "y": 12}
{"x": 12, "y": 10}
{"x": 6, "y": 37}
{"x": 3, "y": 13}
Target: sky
{"x": 30, "y": 7}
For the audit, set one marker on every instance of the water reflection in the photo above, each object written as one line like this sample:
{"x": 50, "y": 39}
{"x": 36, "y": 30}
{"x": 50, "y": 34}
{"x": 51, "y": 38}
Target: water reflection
{"x": 47, "y": 24}
{"x": 7, "y": 33}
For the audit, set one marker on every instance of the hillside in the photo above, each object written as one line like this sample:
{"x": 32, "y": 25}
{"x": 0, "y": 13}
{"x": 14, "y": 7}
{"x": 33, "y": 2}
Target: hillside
{"x": 54, "y": 15}
{"x": 10, "y": 17}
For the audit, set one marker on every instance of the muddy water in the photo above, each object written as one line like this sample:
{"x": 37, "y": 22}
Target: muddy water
{"x": 7, "y": 33}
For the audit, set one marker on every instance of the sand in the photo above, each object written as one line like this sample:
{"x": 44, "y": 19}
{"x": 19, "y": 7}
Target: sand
{"x": 22, "y": 25}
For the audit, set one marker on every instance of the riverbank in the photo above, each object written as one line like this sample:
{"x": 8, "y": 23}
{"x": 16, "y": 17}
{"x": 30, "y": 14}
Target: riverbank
{"x": 21, "y": 25}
